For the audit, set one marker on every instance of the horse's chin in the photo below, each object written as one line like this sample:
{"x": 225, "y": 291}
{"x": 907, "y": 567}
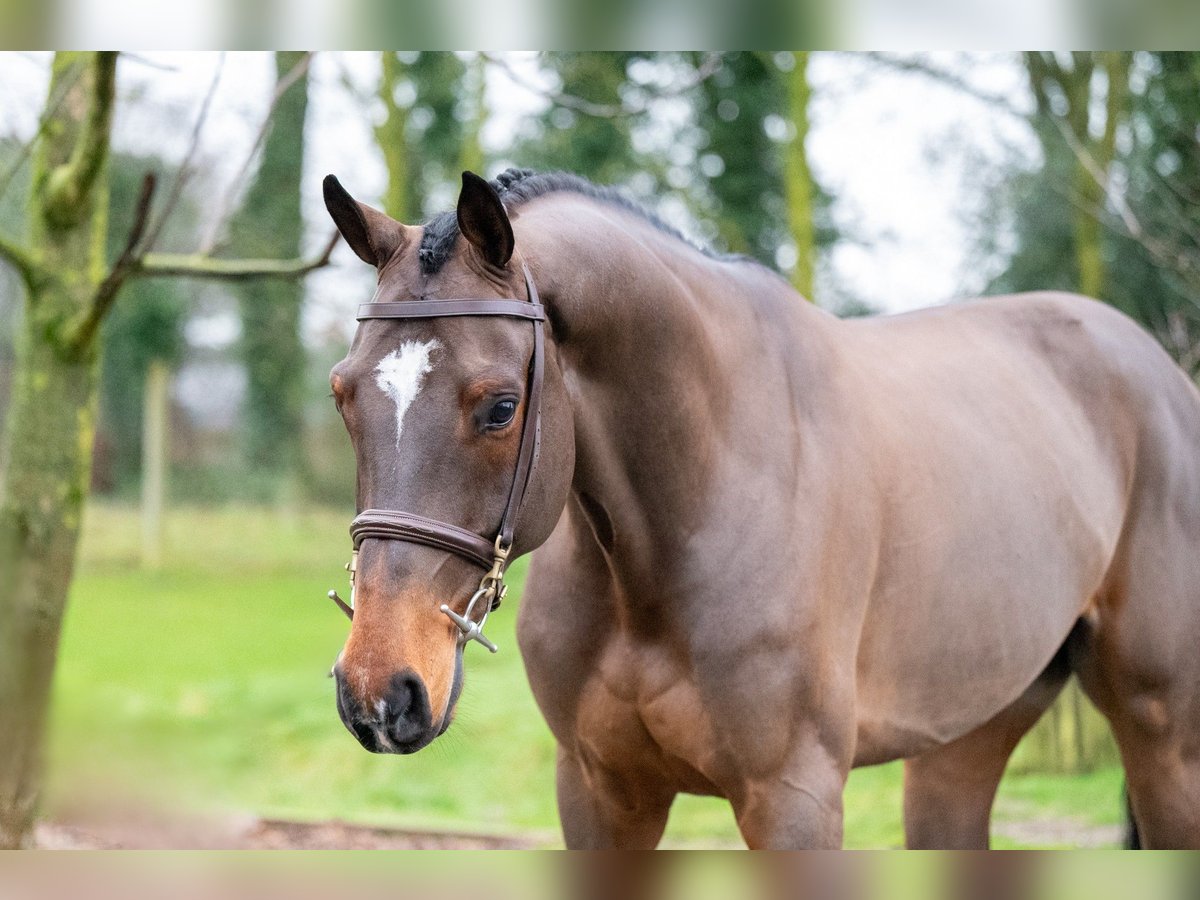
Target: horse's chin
{"x": 413, "y": 747}
{"x": 420, "y": 743}
{"x": 384, "y": 745}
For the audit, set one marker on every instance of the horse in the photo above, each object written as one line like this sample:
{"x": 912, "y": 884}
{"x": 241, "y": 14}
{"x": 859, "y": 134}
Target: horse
{"x": 772, "y": 545}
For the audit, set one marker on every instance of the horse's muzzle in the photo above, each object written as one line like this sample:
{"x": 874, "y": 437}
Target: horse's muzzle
{"x": 400, "y": 722}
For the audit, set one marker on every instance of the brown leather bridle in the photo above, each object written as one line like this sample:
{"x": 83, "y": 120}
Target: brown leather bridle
{"x": 489, "y": 554}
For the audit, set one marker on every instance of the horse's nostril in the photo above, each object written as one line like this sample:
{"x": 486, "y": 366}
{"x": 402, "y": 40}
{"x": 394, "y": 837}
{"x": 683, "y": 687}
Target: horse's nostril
{"x": 350, "y": 713}
{"x": 406, "y": 712}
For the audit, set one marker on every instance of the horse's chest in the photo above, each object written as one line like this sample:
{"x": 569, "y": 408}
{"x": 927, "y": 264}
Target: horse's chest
{"x": 641, "y": 707}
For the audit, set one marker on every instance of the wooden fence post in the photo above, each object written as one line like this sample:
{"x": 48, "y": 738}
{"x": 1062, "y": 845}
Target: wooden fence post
{"x": 155, "y": 414}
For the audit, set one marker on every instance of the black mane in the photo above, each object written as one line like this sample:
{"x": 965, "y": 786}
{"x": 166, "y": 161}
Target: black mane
{"x": 517, "y": 186}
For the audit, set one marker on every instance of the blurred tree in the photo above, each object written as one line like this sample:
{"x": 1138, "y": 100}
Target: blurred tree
{"x": 738, "y": 160}
{"x": 1076, "y": 226}
{"x": 48, "y": 433}
{"x": 146, "y": 326}
{"x": 1156, "y": 269}
{"x": 473, "y": 114}
{"x": 746, "y": 166}
{"x": 592, "y": 137}
{"x": 799, "y": 181}
{"x": 1072, "y": 123}
{"x": 442, "y": 104}
{"x": 269, "y": 224}
{"x": 12, "y": 226}
{"x": 754, "y": 112}
{"x": 400, "y": 196}
{"x": 433, "y": 109}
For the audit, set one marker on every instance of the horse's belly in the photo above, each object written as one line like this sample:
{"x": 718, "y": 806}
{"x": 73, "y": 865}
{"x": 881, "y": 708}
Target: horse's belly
{"x": 977, "y": 590}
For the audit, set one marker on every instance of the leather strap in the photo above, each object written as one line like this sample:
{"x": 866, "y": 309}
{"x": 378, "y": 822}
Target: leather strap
{"x": 434, "y": 309}
{"x": 531, "y": 428}
{"x": 402, "y": 526}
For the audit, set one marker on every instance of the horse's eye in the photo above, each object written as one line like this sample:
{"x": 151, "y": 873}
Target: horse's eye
{"x": 502, "y": 413}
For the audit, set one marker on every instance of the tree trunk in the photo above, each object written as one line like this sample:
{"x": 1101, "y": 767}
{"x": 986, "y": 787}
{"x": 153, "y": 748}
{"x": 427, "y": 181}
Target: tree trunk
{"x": 391, "y": 134}
{"x": 48, "y": 438}
{"x": 475, "y": 80}
{"x": 799, "y": 184}
{"x": 269, "y": 225}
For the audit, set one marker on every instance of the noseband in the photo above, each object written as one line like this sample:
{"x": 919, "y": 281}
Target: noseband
{"x": 490, "y": 554}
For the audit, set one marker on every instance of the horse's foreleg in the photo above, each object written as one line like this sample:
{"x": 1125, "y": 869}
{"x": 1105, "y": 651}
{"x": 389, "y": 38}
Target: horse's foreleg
{"x": 606, "y": 813}
{"x": 948, "y": 791}
{"x": 799, "y": 809}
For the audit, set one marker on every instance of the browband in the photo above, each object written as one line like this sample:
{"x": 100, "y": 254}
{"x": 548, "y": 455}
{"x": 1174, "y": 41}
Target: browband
{"x": 433, "y": 309}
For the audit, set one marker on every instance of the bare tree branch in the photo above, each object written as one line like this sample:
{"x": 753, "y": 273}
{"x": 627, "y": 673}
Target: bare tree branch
{"x": 125, "y": 265}
{"x": 1100, "y": 176}
{"x": 20, "y": 259}
{"x": 1180, "y": 265}
{"x": 200, "y": 265}
{"x": 184, "y": 173}
{"x": 918, "y": 66}
{"x": 281, "y": 87}
{"x": 70, "y": 183}
{"x": 712, "y": 62}
{"x": 135, "y": 261}
{"x": 150, "y": 63}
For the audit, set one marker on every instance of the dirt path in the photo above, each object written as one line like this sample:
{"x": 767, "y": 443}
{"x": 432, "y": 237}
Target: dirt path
{"x": 264, "y": 834}
{"x": 1061, "y": 832}
{"x": 270, "y": 834}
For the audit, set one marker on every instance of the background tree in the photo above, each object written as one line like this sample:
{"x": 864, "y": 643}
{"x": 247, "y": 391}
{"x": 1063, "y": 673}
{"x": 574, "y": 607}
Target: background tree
{"x": 433, "y": 111}
{"x": 747, "y": 180}
{"x": 146, "y": 327}
{"x": 585, "y": 129}
{"x": 47, "y": 443}
{"x": 400, "y": 197}
{"x": 1081, "y": 101}
{"x": 48, "y": 436}
{"x": 798, "y": 182}
{"x": 1109, "y": 209}
{"x": 754, "y": 112}
{"x": 269, "y": 225}
{"x": 1155, "y": 234}
{"x": 1066, "y": 88}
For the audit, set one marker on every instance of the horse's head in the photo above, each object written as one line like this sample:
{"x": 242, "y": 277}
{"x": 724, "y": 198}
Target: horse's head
{"x": 435, "y": 408}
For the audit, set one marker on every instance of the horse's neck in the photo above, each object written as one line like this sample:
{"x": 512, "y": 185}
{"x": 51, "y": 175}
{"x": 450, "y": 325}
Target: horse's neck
{"x": 656, "y": 343}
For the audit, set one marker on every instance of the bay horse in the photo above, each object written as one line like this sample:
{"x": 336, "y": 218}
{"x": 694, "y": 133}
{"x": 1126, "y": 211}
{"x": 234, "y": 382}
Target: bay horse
{"x": 773, "y": 545}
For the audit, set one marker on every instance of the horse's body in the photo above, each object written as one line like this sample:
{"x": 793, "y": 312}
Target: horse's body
{"x": 795, "y": 544}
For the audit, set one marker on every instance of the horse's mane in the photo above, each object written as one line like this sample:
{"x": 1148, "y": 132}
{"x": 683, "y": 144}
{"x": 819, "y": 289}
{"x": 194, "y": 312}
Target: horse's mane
{"x": 518, "y": 186}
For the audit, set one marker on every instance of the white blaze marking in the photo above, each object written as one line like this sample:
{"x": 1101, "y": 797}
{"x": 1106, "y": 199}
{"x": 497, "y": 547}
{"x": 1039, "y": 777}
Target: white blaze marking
{"x": 400, "y": 373}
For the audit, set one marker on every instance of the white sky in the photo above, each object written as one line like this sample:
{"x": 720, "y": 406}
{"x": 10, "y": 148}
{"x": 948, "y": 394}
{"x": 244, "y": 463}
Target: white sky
{"x": 896, "y": 151}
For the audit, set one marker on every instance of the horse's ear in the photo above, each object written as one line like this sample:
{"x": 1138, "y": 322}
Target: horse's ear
{"x": 373, "y": 235}
{"x": 483, "y": 221}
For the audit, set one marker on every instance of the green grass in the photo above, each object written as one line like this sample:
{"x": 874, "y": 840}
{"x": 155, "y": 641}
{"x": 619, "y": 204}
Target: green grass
{"x": 205, "y": 686}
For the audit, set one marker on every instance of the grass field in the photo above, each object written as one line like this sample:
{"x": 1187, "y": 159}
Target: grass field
{"x": 204, "y": 686}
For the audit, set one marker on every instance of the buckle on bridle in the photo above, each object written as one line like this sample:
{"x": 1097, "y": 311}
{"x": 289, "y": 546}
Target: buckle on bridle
{"x": 491, "y": 591}
{"x": 347, "y": 608}
{"x": 488, "y": 596}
